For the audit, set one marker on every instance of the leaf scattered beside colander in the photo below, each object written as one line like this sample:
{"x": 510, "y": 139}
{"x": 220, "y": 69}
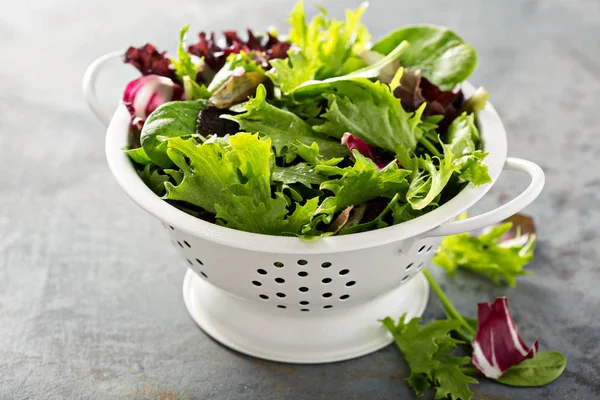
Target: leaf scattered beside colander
{"x": 310, "y": 135}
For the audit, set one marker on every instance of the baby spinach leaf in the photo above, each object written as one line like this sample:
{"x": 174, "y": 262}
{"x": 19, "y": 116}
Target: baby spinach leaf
{"x": 174, "y": 119}
{"x": 540, "y": 370}
{"x": 444, "y": 57}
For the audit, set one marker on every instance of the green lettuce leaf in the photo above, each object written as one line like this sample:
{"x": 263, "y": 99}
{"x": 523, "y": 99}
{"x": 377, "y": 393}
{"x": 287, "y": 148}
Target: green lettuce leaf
{"x": 174, "y": 119}
{"x": 486, "y": 255}
{"x": 283, "y": 128}
{"x": 326, "y": 48}
{"x": 187, "y": 71}
{"x": 367, "y": 109}
{"x": 312, "y": 155}
{"x": 154, "y": 179}
{"x": 232, "y": 179}
{"x": 444, "y": 57}
{"x": 234, "y": 61}
{"x": 299, "y": 173}
{"x": 359, "y": 183}
{"x": 138, "y": 156}
{"x": 426, "y": 349}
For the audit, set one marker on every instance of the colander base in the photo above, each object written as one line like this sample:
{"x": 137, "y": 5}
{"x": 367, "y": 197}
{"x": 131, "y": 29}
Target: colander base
{"x": 314, "y": 337}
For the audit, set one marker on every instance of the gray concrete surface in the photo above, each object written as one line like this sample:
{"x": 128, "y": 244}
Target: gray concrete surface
{"x": 90, "y": 290}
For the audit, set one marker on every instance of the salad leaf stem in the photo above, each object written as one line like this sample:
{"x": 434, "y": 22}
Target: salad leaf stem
{"x": 429, "y": 146}
{"x": 467, "y": 330}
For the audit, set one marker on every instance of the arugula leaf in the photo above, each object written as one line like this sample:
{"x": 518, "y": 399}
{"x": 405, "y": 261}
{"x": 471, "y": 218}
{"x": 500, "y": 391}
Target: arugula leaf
{"x": 232, "y": 179}
{"x": 426, "y": 350}
{"x": 152, "y": 177}
{"x": 359, "y": 183}
{"x": 444, "y": 57}
{"x": 540, "y": 370}
{"x": 326, "y": 48}
{"x": 283, "y": 127}
{"x": 138, "y": 156}
{"x": 368, "y": 110}
{"x": 186, "y": 71}
{"x": 485, "y": 255}
{"x": 300, "y": 173}
{"x": 174, "y": 119}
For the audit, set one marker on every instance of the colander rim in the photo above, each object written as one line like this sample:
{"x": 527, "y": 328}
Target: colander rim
{"x": 495, "y": 143}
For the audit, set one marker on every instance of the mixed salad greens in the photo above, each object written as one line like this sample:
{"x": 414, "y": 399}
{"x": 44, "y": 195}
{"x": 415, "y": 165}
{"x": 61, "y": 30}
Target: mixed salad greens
{"x": 312, "y": 134}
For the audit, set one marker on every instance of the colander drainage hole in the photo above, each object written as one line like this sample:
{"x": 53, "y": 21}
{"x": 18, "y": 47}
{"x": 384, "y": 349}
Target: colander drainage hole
{"x": 429, "y": 249}
{"x": 409, "y": 266}
{"x": 263, "y": 296}
{"x": 303, "y": 289}
{"x": 187, "y": 244}
{"x": 420, "y": 267}
{"x": 422, "y": 248}
{"x": 344, "y": 296}
{"x": 256, "y": 283}
{"x": 302, "y": 274}
{"x": 405, "y": 278}
{"x": 326, "y": 265}
{"x": 328, "y": 306}
{"x": 190, "y": 262}
{"x": 304, "y": 309}
{"x": 304, "y": 303}
{"x": 281, "y": 306}
{"x": 199, "y": 262}
{"x": 261, "y": 271}
{"x": 326, "y": 280}
{"x": 279, "y": 294}
{"x": 204, "y": 275}
{"x": 351, "y": 283}
{"x": 279, "y": 280}
{"x": 171, "y": 228}
{"x": 302, "y": 262}
{"x": 344, "y": 272}
{"x": 326, "y": 295}
{"x": 180, "y": 245}
{"x": 278, "y": 264}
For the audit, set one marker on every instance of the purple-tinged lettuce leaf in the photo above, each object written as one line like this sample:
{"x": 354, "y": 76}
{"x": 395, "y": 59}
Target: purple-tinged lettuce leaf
{"x": 498, "y": 345}
{"x": 150, "y": 61}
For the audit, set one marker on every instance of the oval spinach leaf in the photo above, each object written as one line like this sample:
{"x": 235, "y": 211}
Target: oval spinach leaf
{"x": 174, "y": 119}
{"x": 540, "y": 370}
{"x": 445, "y": 58}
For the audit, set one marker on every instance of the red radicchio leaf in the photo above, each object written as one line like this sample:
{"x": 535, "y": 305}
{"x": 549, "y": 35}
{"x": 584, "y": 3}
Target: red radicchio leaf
{"x": 211, "y": 123}
{"x": 522, "y": 228}
{"x": 149, "y": 61}
{"x": 356, "y": 143}
{"x": 215, "y": 56}
{"x": 144, "y": 94}
{"x": 497, "y": 345}
{"x": 415, "y": 89}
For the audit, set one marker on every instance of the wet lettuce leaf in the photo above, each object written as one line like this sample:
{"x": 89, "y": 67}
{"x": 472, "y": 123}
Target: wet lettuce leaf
{"x": 232, "y": 179}
{"x": 443, "y": 56}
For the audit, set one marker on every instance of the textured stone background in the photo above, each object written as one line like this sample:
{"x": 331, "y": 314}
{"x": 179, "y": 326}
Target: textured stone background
{"x": 90, "y": 291}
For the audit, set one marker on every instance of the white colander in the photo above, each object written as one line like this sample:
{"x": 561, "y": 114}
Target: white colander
{"x": 284, "y": 299}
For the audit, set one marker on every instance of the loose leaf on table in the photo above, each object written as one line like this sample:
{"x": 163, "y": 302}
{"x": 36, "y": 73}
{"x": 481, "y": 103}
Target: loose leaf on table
{"x": 232, "y": 178}
{"x": 174, "y": 119}
{"x": 485, "y": 255}
{"x": 187, "y": 72}
{"x": 426, "y": 349}
{"x": 326, "y": 48}
{"x": 360, "y": 183}
{"x": 498, "y": 345}
{"x": 283, "y": 127}
{"x": 540, "y": 370}
{"x": 366, "y": 109}
{"x": 444, "y": 57}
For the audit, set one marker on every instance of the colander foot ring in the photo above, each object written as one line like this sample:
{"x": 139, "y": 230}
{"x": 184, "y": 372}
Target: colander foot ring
{"x": 321, "y": 336}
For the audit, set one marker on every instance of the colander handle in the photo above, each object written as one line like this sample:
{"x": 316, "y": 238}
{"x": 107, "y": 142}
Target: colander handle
{"x": 89, "y": 84}
{"x": 512, "y": 207}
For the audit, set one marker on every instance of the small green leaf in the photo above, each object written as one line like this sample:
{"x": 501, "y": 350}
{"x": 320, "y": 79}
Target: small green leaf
{"x": 138, "y": 156}
{"x": 540, "y": 370}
